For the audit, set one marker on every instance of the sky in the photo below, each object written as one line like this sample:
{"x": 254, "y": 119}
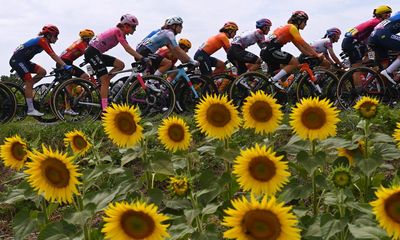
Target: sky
{"x": 21, "y": 20}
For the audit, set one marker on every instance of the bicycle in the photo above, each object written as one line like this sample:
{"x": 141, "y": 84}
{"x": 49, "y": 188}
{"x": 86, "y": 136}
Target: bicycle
{"x": 189, "y": 87}
{"x": 8, "y": 104}
{"x": 223, "y": 81}
{"x": 17, "y": 88}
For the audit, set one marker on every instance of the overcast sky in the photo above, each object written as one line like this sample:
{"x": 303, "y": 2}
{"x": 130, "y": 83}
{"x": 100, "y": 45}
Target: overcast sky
{"x": 21, "y": 20}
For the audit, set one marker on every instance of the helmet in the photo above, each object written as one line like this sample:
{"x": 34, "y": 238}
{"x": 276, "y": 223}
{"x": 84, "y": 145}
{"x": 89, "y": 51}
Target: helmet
{"x": 230, "y": 26}
{"x": 185, "y": 42}
{"x": 173, "y": 20}
{"x": 263, "y": 22}
{"x": 382, "y": 9}
{"x": 298, "y": 16}
{"x": 86, "y": 33}
{"x": 129, "y": 19}
{"x": 51, "y": 29}
{"x": 333, "y": 32}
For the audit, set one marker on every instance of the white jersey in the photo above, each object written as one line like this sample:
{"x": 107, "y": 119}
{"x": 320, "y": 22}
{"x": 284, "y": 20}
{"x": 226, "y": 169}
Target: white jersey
{"x": 322, "y": 45}
{"x": 249, "y": 38}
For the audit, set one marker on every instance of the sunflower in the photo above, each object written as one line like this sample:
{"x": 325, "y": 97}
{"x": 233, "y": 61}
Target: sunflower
{"x": 253, "y": 220}
{"x": 53, "y": 174}
{"x": 121, "y": 124}
{"x": 396, "y": 134}
{"x": 260, "y": 171}
{"x": 367, "y": 107}
{"x": 78, "y": 142}
{"x": 134, "y": 221}
{"x": 261, "y": 112}
{"x": 217, "y": 117}
{"x": 174, "y": 134}
{"x": 341, "y": 177}
{"x": 314, "y": 119}
{"x": 14, "y": 152}
{"x": 387, "y": 210}
{"x": 179, "y": 185}
{"x": 350, "y": 154}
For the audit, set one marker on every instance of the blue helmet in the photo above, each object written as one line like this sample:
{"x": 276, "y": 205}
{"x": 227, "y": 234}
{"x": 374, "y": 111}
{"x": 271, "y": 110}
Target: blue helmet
{"x": 263, "y": 22}
{"x": 333, "y": 32}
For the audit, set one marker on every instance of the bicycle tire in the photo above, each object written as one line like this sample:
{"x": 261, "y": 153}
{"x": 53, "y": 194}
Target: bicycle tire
{"x": 82, "y": 96}
{"x": 19, "y": 93}
{"x": 245, "y": 84}
{"x": 221, "y": 78}
{"x": 8, "y": 104}
{"x": 185, "y": 98}
{"x": 44, "y": 106}
{"x": 154, "y": 104}
{"x": 347, "y": 94}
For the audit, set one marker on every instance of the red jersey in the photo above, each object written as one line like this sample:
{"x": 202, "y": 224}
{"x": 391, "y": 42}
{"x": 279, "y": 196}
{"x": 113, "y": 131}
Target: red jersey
{"x": 74, "y": 51}
{"x": 165, "y": 52}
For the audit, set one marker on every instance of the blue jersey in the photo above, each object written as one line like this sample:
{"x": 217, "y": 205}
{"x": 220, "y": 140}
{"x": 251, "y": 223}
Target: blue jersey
{"x": 159, "y": 39}
{"x": 391, "y": 24}
{"x": 147, "y": 38}
{"x": 32, "y": 47}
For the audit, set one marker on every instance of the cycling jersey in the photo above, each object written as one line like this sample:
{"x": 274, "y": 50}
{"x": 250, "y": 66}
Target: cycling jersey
{"x": 285, "y": 34}
{"x": 28, "y": 50}
{"x": 322, "y": 45}
{"x": 385, "y": 38}
{"x": 362, "y": 31}
{"x": 391, "y": 24}
{"x": 249, "y": 38}
{"x": 147, "y": 38}
{"x": 166, "y": 53}
{"x": 74, "y": 51}
{"x": 108, "y": 39}
{"x": 215, "y": 43}
{"x": 159, "y": 39}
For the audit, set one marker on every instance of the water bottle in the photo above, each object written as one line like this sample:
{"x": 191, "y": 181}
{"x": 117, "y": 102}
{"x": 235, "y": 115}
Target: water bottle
{"x": 117, "y": 86}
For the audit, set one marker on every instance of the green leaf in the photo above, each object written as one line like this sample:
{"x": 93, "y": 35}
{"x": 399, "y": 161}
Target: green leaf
{"x": 156, "y": 196}
{"x": 210, "y": 208}
{"x": 369, "y": 165}
{"x": 24, "y": 223}
{"x": 161, "y": 163}
{"x": 367, "y": 232}
{"x": 178, "y": 204}
{"x": 57, "y": 231}
{"x": 378, "y": 137}
{"x": 100, "y": 199}
{"x": 190, "y": 215}
{"x": 180, "y": 231}
{"x": 131, "y": 154}
{"x": 78, "y": 217}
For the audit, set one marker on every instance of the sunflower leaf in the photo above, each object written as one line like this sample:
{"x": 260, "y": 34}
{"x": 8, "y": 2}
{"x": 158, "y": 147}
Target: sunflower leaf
{"x": 368, "y": 232}
{"x": 23, "y": 225}
{"x": 57, "y": 231}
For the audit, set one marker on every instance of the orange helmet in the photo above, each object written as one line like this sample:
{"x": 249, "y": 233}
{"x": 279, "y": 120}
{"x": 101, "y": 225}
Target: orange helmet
{"x": 185, "y": 42}
{"x": 230, "y": 26}
{"x": 86, "y": 33}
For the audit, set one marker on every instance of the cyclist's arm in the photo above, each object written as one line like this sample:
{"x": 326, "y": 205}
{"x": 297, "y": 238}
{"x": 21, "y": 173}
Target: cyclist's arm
{"x": 132, "y": 52}
{"x": 326, "y": 55}
{"x": 47, "y": 48}
{"x": 306, "y": 49}
{"x": 179, "y": 53}
{"x": 334, "y": 57}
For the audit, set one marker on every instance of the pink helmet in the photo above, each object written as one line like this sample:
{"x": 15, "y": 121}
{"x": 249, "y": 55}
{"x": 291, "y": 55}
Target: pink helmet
{"x": 129, "y": 19}
{"x": 331, "y": 32}
{"x": 51, "y": 29}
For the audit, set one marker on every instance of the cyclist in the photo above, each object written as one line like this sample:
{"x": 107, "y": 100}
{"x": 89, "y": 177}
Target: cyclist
{"x": 385, "y": 38}
{"x": 237, "y": 54}
{"x": 99, "y": 61}
{"x": 275, "y": 57}
{"x": 324, "y": 46}
{"x": 21, "y": 62}
{"x": 355, "y": 39}
{"x": 213, "y": 44}
{"x": 165, "y": 37}
{"x": 184, "y": 44}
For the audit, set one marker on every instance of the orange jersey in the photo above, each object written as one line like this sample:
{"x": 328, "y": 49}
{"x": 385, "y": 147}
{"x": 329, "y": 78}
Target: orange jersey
{"x": 288, "y": 33}
{"x": 165, "y": 52}
{"x": 215, "y": 43}
{"x": 74, "y": 51}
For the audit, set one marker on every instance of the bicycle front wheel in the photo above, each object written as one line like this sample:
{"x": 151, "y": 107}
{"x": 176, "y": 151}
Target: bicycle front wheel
{"x": 156, "y": 100}
{"x": 8, "y": 104}
{"x": 19, "y": 93}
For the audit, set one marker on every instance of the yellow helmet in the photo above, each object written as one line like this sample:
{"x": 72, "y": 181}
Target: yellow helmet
{"x": 86, "y": 33}
{"x": 382, "y": 9}
{"x": 185, "y": 42}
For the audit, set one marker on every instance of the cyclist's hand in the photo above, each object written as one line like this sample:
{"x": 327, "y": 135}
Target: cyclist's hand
{"x": 194, "y": 62}
{"x": 146, "y": 61}
{"x": 67, "y": 67}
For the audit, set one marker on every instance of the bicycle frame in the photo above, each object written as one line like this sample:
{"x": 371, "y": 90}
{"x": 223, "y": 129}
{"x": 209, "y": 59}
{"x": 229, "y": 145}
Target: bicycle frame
{"x": 181, "y": 73}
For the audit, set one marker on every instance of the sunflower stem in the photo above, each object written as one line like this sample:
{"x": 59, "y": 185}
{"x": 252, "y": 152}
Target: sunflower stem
{"x": 147, "y": 163}
{"x": 314, "y": 184}
{"x": 366, "y": 156}
{"x": 45, "y": 210}
{"x": 228, "y": 168}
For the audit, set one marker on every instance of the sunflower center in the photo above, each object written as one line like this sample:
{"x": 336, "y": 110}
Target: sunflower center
{"x": 261, "y": 111}
{"x": 342, "y": 179}
{"x": 176, "y": 133}
{"x": 56, "y": 172}
{"x": 137, "y": 225}
{"x": 313, "y": 118}
{"x": 262, "y": 168}
{"x": 392, "y": 207}
{"x": 368, "y": 110}
{"x": 18, "y": 151}
{"x": 125, "y": 123}
{"x": 261, "y": 225}
{"x": 218, "y": 115}
{"x": 79, "y": 142}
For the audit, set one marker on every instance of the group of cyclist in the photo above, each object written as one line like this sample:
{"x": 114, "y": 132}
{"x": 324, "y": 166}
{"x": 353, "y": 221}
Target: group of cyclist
{"x": 159, "y": 49}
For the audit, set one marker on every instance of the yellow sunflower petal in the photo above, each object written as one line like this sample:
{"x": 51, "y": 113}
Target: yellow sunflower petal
{"x": 174, "y": 134}
{"x": 261, "y": 112}
{"x": 314, "y": 119}
{"x": 134, "y": 221}
{"x": 53, "y": 174}
{"x": 396, "y": 134}
{"x": 14, "y": 152}
{"x": 217, "y": 117}
{"x": 367, "y": 107}
{"x": 78, "y": 142}
{"x": 387, "y": 210}
{"x": 265, "y": 219}
{"x": 260, "y": 171}
{"x": 121, "y": 124}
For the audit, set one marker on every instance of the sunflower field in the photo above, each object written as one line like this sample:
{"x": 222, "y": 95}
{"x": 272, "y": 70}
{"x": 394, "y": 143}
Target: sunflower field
{"x": 261, "y": 173}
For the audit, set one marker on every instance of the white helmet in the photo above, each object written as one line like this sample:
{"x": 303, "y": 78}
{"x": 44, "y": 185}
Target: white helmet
{"x": 173, "y": 20}
{"x": 129, "y": 19}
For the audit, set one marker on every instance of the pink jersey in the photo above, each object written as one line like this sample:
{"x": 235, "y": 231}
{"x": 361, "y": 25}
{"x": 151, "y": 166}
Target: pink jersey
{"x": 108, "y": 39}
{"x": 363, "y": 30}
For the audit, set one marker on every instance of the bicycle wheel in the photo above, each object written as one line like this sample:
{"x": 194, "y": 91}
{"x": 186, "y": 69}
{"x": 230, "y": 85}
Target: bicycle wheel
{"x": 327, "y": 83}
{"x": 348, "y": 92}
{"x": 42, "y": 102}
{"x": 222, "y": 82}
{"x": 8, "y": 104}
{"x": 156, "y": 101}
{"x": 75, "y": 100}
{"x": 19, "y": 93}
{"x": 185, "y": 98}
{"x": 245, "y": 84}
{"x": 114, "y": 89}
